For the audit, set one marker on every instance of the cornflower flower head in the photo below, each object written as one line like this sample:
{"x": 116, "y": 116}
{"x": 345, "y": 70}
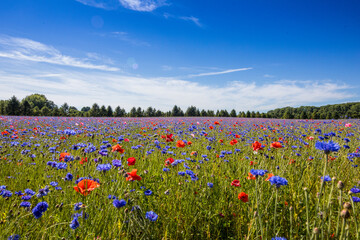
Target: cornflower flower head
{"x": 327, "y": 147}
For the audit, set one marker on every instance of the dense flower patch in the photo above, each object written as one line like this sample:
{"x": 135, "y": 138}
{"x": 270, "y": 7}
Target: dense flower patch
{"x": 184, "y": 178}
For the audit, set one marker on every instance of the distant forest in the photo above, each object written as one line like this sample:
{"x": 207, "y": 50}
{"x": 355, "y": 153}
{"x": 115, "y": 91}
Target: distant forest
{"x": 39, "y": 105}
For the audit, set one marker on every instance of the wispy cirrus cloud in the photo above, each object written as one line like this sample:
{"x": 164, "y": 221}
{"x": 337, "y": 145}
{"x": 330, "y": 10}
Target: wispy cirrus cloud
{"x": 192, "y": 19}
{"x": 218, "y": 73}
{"x": 143, "y": 5}
{"x": 23, "y": 49}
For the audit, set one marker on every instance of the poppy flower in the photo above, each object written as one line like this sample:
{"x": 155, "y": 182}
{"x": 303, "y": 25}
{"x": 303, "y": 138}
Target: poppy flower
{"x": 133, "y": 176}
{"x": 250, "y": 177}
{"x": 180, "y": 144}
{"x": 276, "y": 145}
{"x": 131, "y": 161}
{"x": 216, "y": 123}
{"x": 211, "y": 127}
{"x": 169, "y": 161}
{"x": 269, "y": 176}
{"x": 243, "y": 197}
{"x": 235, "y": 183}
{"x": 221, "y": 141}
{"x": 117, "y": 148}
{"x": 63, "y": 155}
{"x": 169, "y": 138}
{"x": 256, "y": 146}
{"x": 189, "y": 143}
{"x": 85, "y": 186}
{"x": 233, "y": 142}
{"x": 83, "y": 160}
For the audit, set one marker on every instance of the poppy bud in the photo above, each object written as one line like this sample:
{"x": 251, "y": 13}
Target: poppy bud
{"x": 347, "y": 205}
{"x": 305, "y": 189}
{"x": 345, "y": 213}
{"x": 290, "y": 208}
{"x": 255, "y": 214}
{"x": 316, "y": 230}
{"x": 340, "y": 185}
{"x": 334, "y": 178}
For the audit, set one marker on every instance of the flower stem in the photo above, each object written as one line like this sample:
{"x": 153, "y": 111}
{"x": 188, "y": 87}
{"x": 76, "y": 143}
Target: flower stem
{"x": 276, "y": 197}
{"x": 258, "y": 209}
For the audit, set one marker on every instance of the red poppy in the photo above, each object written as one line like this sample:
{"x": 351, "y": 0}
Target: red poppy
{"x": 63, "y": 155}
{"x": 269, "y": 176}
{"x": 189, "y": 143}
{"x": 85, "y": 186}
{"x": 169, "y": 161}
{"x": 221, "y": 141}
{"x": 256, "y": 146}
{"x": 117, "y": 148}
{"x": 83, "y": 160}
{"x": 131, "y": 161}
{"x": 133, "y": 176}
{"x": 114, "y": 140}
{"x": 180, "y": 144}
{"x": 233, "y": 142}
{"x": 243, "y": 197}
{"x": 169, "y": 138}
{"x": 276, "y": 145}
{"x": 235, "y": 183}
{"x": 216, "y": 123}
{"x": 250, "y": 177}
{"x": 211, "y": 127}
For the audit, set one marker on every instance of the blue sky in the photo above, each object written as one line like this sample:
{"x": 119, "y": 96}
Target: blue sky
{"x": 248, "y": 55}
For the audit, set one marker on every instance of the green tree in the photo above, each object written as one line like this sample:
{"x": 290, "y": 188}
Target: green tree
{"x": 26, "y": 108}
{"x": 95, "y": 110}
{"x": 45, "y": 111}
{"x": 109, "y": 111}
{"x": 13, "y": 106}
{"x": 233, "y": 113}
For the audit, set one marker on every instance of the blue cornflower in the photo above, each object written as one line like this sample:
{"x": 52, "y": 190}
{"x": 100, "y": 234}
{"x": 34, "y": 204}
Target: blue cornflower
{"x": 25, "y": 204}
{"x": 278, "y": 238}
{"x": 166, "y": 169}
{"x": 54, "y": 184}
{"x": 181, "y": 173}
{"x": 6, "y": 193}
{"x": 77, "y": 206}
{"x": 14, "y": 237}
{"x": 116, "y": 163}
{"x": 210, "y": 185}
{"x": 258, "y": 172}
{"x": 151, "y": 216}
{"x": 327, "y": 147}
{"x": 61, "y": 165}
{"x": 326, "y": 178}
{"x": 29, "y": 192}
{"x": 119, "y": 203}
{"x": 74, "y": 223}
{"x": 148, "y": 192}
{"x": 103, "y": 167}
{"x": 58, "y": 188}
{"x": 69, "y": 177}
{"x": 39, "y": 209}
{"x": 356, "y": 199}
{"x": 355, "y": 190}
{"x": 278, "y": 181}
{"x": 26, "y": 197}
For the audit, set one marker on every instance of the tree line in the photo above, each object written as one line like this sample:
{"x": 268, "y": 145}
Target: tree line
{"x": 39, "y": 105}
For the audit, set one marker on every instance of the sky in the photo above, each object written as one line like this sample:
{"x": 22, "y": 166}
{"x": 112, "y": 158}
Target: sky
{"x": 253, "y": 55}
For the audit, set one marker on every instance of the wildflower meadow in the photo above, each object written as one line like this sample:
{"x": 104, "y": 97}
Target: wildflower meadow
{"x": 178, "y": 178}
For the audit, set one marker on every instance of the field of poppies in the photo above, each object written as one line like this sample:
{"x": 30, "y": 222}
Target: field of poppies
{"x": 178, "y": 178}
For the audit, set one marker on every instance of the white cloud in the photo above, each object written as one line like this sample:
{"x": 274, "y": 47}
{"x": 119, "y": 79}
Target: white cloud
{"x": 106, "y": 88}
{"x": 195, "y": 20}
{"x": 22, "y": 49}
{"x": 142, "y": 5}
{"x": 218, "y": 73}
{"x": 108, "y": 4}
